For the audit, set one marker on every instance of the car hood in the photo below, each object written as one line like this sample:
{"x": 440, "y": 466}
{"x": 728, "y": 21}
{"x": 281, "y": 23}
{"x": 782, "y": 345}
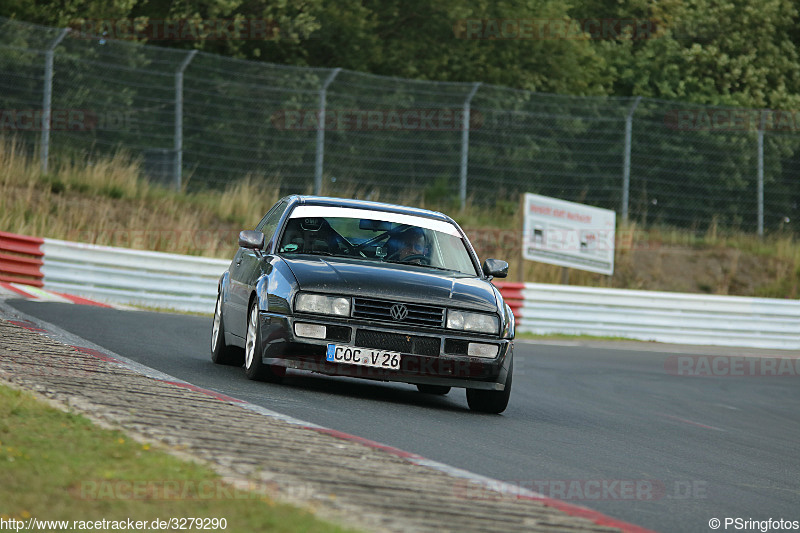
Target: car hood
{"x": 393, "y": 282}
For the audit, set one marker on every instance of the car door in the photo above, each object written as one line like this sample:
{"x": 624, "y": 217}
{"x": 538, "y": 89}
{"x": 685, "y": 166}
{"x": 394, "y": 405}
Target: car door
{"x": 245, "y": 269}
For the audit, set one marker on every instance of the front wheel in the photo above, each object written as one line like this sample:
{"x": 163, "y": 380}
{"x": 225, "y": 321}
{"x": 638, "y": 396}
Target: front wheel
{"x": 490, "y": 401}
{"x": 254, "y": 367}
{"x": 221, "y": 353}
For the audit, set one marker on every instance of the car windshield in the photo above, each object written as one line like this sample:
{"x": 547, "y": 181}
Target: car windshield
{"x": 376, "y": 236}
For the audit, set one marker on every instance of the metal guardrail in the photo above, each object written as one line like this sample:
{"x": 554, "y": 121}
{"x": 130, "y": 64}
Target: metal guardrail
{"x": 133, "y": 277}
{"x": 655, "y": 316}
{"x": 161, "y": 280}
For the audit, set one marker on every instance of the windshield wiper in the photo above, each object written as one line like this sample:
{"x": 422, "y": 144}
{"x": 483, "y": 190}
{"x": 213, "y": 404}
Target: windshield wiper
{"x": 316, "y": 252}
{"x": 419, "y": 264}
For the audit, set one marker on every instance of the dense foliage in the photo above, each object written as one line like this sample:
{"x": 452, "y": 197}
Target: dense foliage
{"x": 595, "y": 56}
{"x": 723, "y": 52}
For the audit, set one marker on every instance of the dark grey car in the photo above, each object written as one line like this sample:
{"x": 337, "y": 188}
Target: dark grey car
{"x": 370, "y": 290}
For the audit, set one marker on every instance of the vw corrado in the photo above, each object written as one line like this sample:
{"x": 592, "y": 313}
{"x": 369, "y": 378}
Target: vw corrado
{"x": 370, "y": 290}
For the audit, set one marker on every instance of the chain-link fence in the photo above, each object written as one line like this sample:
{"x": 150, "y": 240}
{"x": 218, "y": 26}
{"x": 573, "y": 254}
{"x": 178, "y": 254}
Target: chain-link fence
{"x": 210, "y": 120}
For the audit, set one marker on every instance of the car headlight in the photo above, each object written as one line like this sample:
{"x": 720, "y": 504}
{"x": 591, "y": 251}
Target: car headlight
{"x": 477, "y": 322}
{"x": 322, "y": 305}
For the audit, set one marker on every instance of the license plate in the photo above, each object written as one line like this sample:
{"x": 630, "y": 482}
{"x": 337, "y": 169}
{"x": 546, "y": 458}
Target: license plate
{"x": 363, "y": 357}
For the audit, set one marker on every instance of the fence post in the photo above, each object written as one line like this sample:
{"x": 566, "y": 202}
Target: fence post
{"x": 760, "y": 177}
{"x": 323, "y": 92}
{"x": 462, "y": 192}
{"x": 177, "y": 169}
{"x": 48, "y": 97}
{"x": 626, "y": 165}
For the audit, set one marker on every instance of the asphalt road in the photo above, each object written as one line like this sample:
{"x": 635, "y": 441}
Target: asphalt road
{"x": 663, "y": 451}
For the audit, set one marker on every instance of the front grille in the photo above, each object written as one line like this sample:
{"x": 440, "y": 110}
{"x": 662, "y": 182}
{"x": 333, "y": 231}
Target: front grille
{"x": 418, "y": 315}
{"x": 397, "y": 342}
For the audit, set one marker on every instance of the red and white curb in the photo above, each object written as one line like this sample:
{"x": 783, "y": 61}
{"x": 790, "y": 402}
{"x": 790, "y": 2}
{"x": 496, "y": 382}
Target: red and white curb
{"x": 28, "y": 292}
{"x": 89, "y": 348}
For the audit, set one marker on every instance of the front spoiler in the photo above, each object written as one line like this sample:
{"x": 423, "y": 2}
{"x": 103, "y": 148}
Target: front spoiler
{"x": 281, "y": 348}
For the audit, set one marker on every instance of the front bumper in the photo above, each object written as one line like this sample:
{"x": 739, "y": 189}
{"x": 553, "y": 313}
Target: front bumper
{"x": 428, "y": 356}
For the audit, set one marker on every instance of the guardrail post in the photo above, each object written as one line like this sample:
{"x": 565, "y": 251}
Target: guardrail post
{"x": 626, "y": 164}
{"x": 177, "y": 169}
{"x": 760, "y": 176}
{"x": 48, "y": 98}
{"x": 462, "y": 193}
{"x": 323, "y": 92}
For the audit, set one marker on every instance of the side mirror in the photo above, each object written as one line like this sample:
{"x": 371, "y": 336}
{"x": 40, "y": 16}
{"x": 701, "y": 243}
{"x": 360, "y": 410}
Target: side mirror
{"x": 253, "y": 240}
{"x": 495, "y": 268}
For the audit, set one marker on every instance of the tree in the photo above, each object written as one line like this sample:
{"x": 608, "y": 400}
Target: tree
{"x": 740, "y": 53}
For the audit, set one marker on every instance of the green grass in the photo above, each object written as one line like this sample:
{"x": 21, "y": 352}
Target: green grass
{"x": 59, "y": 466}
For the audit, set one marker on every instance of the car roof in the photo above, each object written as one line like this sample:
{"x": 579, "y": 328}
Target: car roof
{"x": 366, "y": 204}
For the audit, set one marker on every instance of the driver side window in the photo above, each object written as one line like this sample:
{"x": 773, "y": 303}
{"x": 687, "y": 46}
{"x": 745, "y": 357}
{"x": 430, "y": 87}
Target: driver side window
{"x": 269, "y": 223}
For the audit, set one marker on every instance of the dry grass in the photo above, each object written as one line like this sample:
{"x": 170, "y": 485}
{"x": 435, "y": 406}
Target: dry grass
{"x": 107, "y": 202}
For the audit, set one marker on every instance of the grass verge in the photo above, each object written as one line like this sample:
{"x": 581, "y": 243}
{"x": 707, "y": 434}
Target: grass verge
{"x": 59, "y": 466}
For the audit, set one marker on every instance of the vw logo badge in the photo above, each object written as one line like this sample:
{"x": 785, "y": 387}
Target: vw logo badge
{"x": 399, "y": 311}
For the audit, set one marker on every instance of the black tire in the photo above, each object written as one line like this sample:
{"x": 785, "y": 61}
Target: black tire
{"x": 221, "y": 353}
{"x": 254, "y": 367}
{"x": 490, "y": 401}
{"x": 440, "y": 390}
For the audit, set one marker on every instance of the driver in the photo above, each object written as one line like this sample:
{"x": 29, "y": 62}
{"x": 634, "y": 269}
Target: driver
{"x": 412, "y": 245}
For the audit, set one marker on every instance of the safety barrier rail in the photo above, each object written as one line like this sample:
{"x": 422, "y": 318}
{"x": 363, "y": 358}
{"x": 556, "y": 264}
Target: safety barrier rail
{"x": 21, "y": 259}
{"x": 134, "y": 277}
{"x": 171, "y": 281}
{"x": 655, "y": 316}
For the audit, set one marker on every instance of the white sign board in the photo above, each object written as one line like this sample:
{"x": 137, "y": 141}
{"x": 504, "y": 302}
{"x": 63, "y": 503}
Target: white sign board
{"x": 568, "y": 234}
